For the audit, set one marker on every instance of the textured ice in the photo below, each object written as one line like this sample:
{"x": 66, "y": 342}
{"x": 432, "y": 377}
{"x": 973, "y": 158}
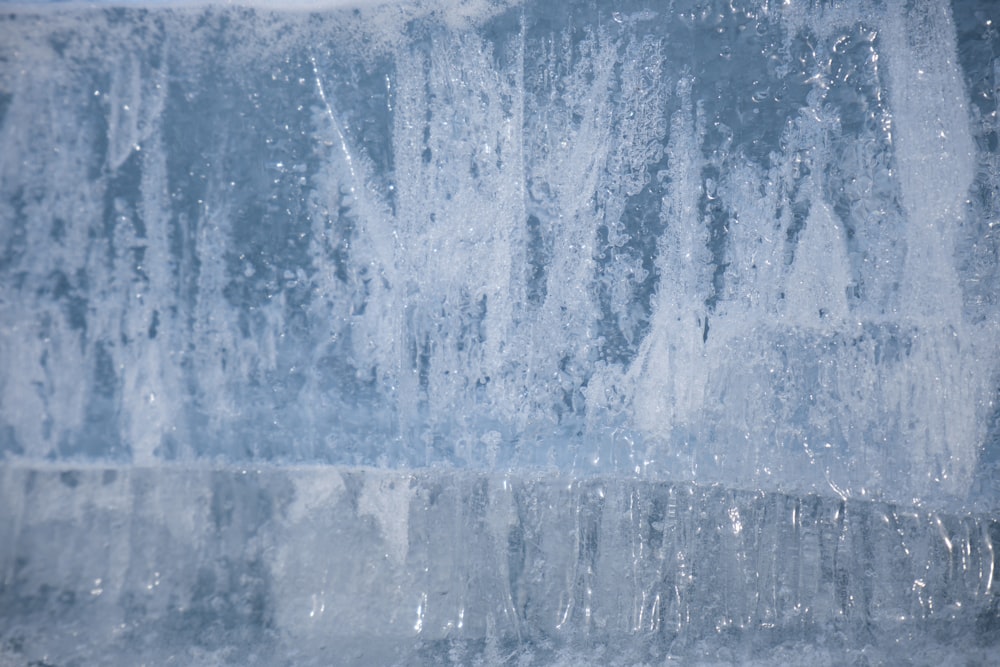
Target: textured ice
{"x": 504, "y": 332}
{"x": 327, "y": 565}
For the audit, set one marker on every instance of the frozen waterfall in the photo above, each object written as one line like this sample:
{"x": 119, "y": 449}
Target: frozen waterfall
{"x": 445, "y": 331}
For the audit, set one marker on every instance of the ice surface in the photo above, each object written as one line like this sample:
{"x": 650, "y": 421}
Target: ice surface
{"x": 327, "y": 565}
{"x": 543, "y": 333}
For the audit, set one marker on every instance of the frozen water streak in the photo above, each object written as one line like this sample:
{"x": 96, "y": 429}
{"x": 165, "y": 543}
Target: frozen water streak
{"x": 742, "y": 259}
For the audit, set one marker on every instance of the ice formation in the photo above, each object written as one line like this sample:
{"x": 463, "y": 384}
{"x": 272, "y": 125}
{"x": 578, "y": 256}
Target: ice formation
{"x": 492, "y": 330}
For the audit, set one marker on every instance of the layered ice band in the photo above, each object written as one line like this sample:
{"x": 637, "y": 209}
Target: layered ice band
{"x": 333, "y": 565}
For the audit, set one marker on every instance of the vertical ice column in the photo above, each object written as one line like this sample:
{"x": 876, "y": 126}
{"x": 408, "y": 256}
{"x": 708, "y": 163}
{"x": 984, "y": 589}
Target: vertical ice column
{"x": 942, "y": 382}
{"x": 670, "y": 370}
{"x": 435, "y": 329}
{"x": 934, "y": 155}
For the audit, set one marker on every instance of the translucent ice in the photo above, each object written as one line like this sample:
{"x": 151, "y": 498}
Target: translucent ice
{"x": 679, "y": 321}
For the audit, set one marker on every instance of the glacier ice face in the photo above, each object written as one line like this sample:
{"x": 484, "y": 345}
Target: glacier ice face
{"x": 388, "y": 250}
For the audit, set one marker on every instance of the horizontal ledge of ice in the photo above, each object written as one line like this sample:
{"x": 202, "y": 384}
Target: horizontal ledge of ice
{"x": 281, "y": 557}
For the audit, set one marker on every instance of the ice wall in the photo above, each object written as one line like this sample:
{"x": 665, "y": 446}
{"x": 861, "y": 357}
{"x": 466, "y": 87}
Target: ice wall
{"x": 711, "y": 246}
{"x": 718, "y": 244}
